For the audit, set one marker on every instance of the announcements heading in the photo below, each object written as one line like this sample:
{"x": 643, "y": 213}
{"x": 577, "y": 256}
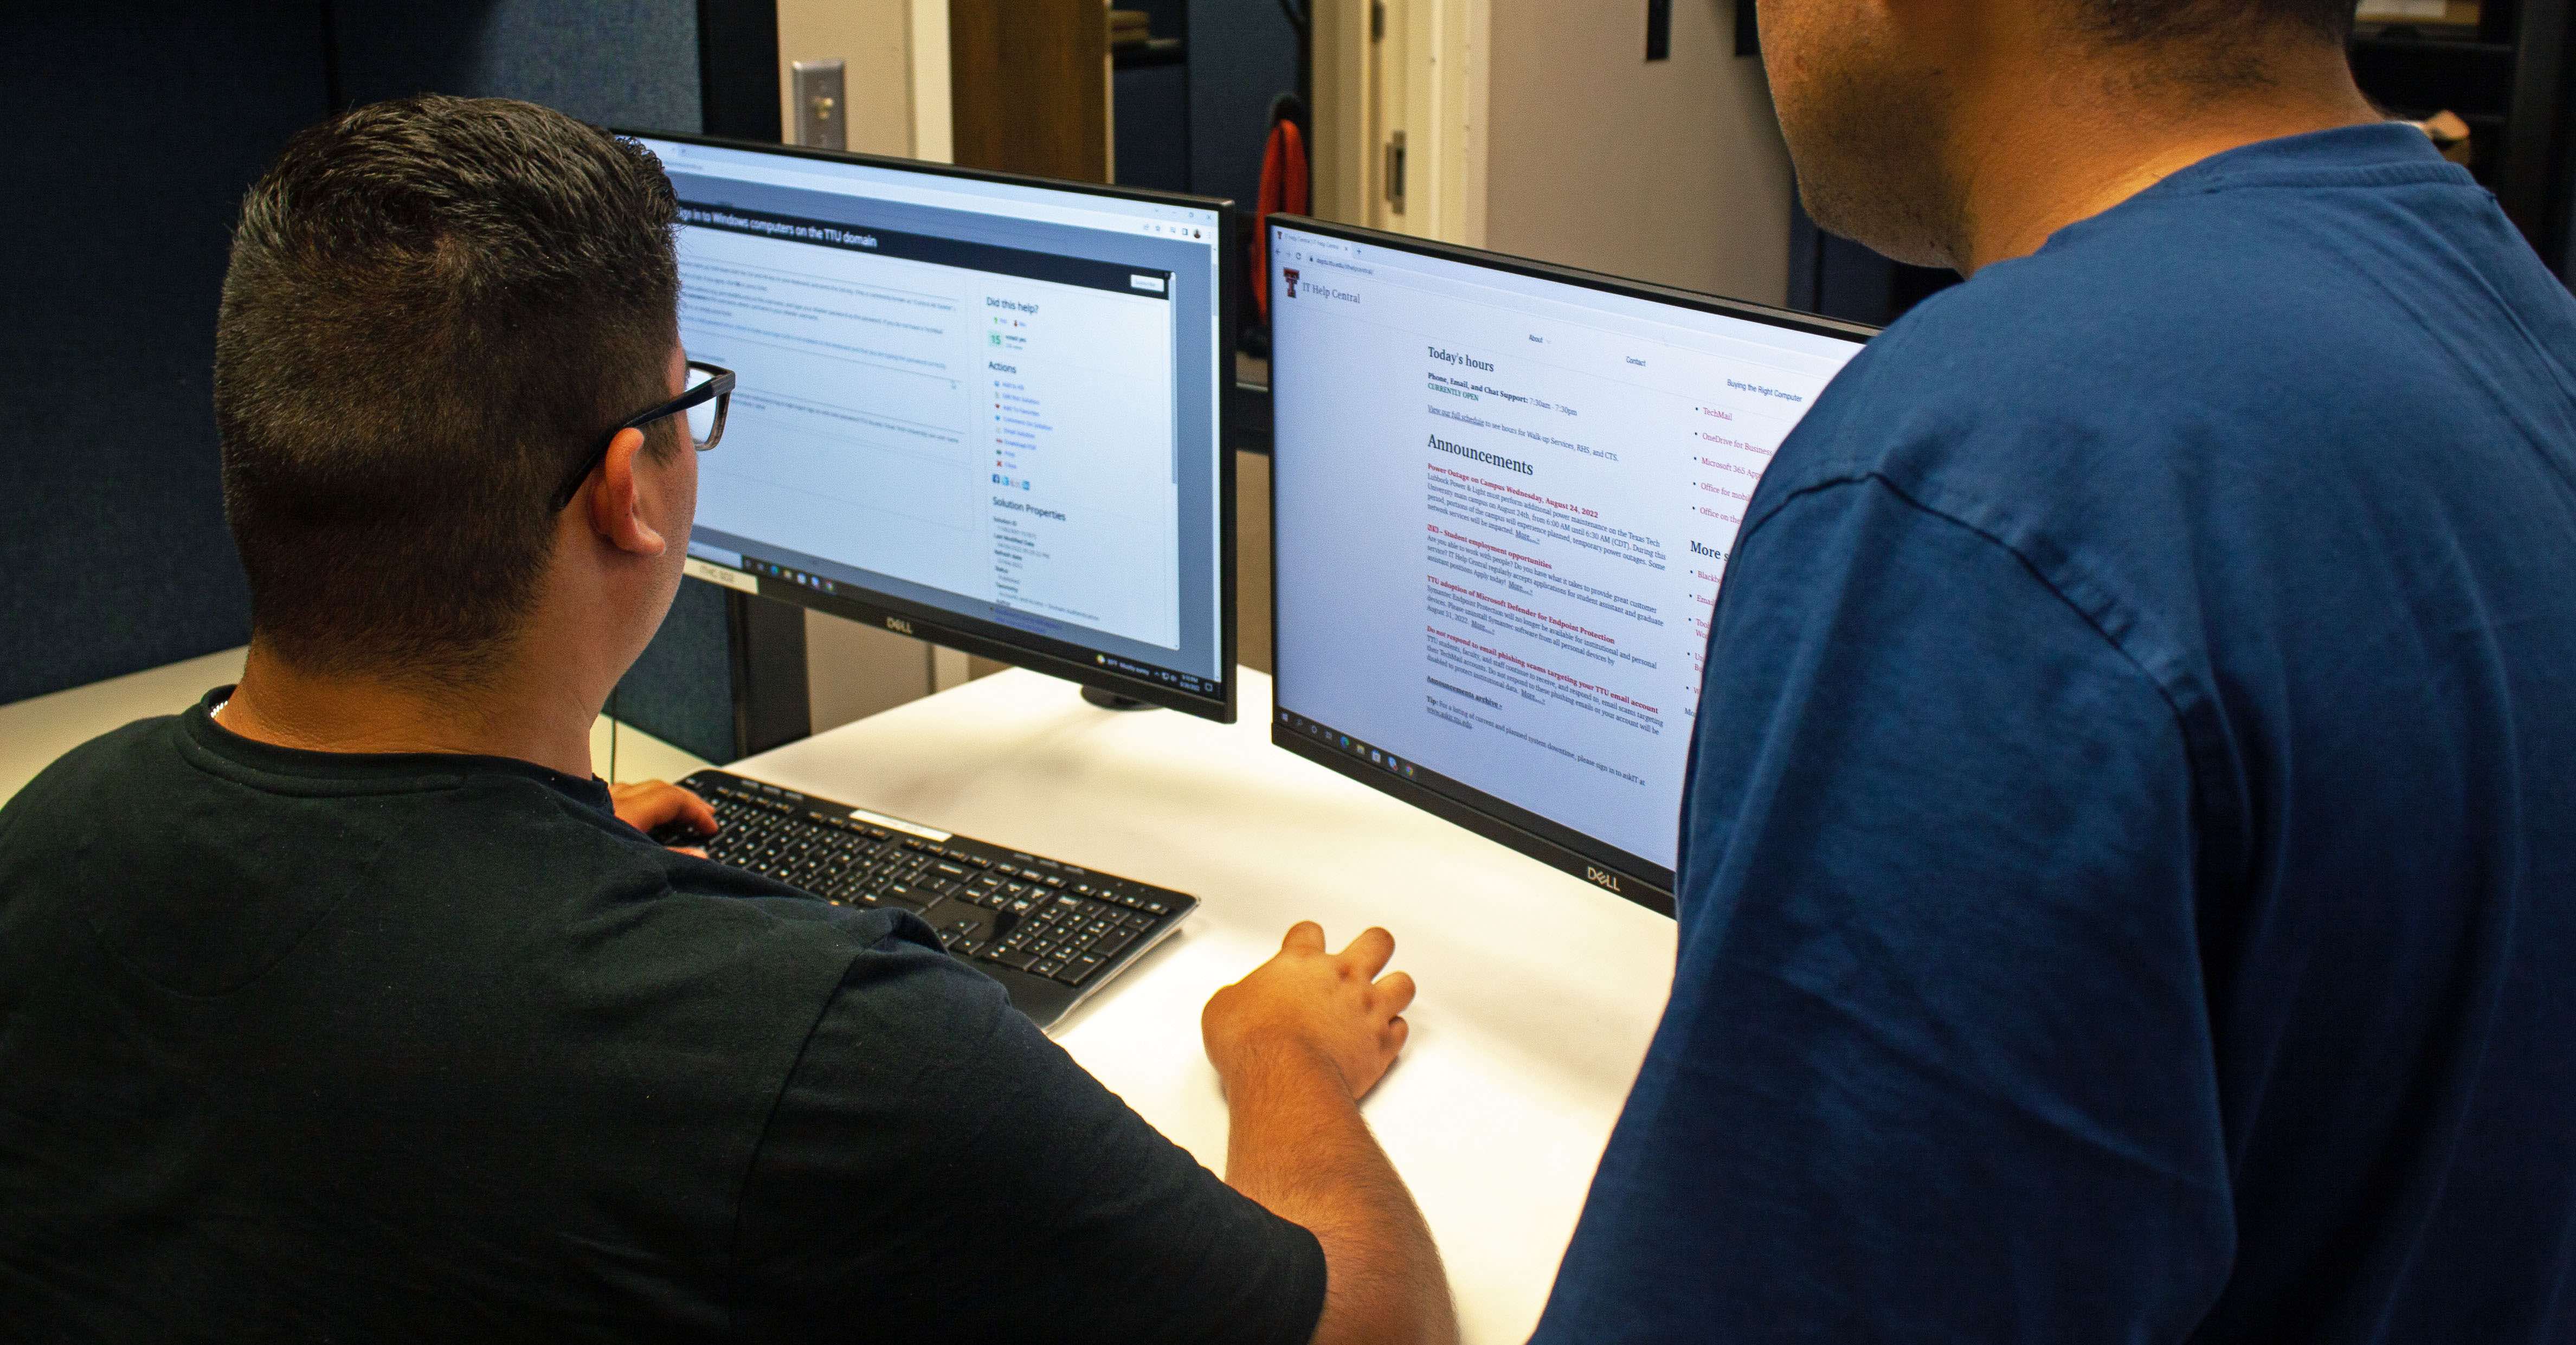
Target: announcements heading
{"x": 1087, "y": 272}
{"x": 1441, "y": 445}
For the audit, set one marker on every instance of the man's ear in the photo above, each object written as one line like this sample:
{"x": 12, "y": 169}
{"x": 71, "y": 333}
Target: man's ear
{"x": 616, "y": 500}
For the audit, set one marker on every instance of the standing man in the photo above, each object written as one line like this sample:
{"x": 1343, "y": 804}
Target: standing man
{"x": 2129, "y": 877}
{"x": 349, "y": 1006}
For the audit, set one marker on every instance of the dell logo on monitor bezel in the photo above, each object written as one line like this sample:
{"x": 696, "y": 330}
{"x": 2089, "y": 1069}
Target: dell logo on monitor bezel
{"x": 898, "y": 625}
{"x": 1608, "y": 880}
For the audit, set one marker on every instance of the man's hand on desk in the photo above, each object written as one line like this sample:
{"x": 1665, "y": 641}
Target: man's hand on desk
{"x": 1297, "y": 1043}
{"x": 1315, "y": 1005}
{"x": 655, "y": 804}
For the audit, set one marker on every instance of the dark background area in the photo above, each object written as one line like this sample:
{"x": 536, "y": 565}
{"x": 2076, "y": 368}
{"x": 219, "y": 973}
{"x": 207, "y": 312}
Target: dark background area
{"x": 1198, "y": 123}
{"x": 637, "y": 59}
{"x": 112, "y": 528}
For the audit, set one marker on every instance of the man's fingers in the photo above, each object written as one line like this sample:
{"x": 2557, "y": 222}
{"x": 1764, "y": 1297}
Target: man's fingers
{"x": 1303, "y": 937}
{"x": 666, "y": 803}
{"x": 1369, "y": 952}
{"x": 1397, "y": 1033}
{"x": 655, "y": 804}
{"x": 690, "y": 850}
{"x": 1394, "y": 992}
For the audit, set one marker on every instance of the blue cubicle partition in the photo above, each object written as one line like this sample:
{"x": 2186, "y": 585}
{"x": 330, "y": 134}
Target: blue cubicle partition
{"x": 130, "y": 133}
{"x": 621, "y": 63}
{"x": 126, "y": 139}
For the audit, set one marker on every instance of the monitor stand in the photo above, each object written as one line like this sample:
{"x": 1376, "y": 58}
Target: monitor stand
{"x": 1111, "y": 700}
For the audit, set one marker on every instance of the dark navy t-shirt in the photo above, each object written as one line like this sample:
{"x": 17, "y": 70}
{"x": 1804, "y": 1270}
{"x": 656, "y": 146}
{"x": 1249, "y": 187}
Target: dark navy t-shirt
{"x": 302, "y": 1046}
{"x": 2129, "y": 875}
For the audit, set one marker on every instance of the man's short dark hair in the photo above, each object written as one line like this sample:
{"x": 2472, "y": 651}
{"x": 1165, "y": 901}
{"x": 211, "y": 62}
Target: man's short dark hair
{"x": 435, "y": 306}
{"x": 2150, "y": 21}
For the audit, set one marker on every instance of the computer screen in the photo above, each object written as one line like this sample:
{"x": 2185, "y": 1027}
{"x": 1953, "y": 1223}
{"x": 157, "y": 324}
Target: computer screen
{"x": 977, "y": 409}
{"x": 1505, "y": 495}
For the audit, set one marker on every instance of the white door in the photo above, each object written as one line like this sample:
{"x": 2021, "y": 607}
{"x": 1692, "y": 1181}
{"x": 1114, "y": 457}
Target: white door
{"x": 1400, "y": 111}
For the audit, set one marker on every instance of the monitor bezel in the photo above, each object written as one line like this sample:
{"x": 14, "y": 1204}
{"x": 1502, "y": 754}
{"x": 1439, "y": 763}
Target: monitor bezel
{"x": 992, "y": 640}
{"x": 1606, "y": 866}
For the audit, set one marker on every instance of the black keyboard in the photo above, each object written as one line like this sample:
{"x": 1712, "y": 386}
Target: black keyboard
{"x": 1051, "y": 933}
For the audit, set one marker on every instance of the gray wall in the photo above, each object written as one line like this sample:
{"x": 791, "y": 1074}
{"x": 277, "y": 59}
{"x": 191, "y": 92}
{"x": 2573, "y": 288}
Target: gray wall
{"x": 1671, "y": 171}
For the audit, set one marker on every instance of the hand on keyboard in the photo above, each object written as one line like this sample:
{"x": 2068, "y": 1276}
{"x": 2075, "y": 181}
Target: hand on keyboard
{"x": 665, "y": 812}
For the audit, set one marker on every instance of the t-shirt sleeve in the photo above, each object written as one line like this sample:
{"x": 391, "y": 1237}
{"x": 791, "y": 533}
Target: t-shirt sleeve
{"x": 936, "y": 1169}
{"x": 1936, "y": 1066}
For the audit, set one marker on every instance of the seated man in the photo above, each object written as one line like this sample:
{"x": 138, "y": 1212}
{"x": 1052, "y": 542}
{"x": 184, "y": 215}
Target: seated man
{"x": 349, "y": 1006}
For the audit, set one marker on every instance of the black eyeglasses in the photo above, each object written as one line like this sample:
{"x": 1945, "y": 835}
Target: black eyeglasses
{"x": 710, "y": 393}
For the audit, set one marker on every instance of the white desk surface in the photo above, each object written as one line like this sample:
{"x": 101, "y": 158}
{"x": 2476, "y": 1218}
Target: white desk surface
{"x": 1539, "y": 992}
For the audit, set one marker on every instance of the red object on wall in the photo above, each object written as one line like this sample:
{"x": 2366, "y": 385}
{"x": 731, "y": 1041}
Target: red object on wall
{"x": 1284, "y": 187}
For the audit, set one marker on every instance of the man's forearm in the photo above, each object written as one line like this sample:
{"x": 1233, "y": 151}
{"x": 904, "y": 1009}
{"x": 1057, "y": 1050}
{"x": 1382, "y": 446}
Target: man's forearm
{"x": 1297, "y": 1145}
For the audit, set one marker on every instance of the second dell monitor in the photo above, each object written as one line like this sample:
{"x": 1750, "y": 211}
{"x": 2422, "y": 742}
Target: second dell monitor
{"x": 1506, "y": 495}
{"x": 976, "y": 409}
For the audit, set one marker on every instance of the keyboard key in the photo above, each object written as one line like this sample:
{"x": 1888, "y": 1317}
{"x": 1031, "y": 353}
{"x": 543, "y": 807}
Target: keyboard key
{"x": 1077, "y": 970}
{"x": 1016, "y": 959}
{"x": 1045, "y": 968}
{"x": 1111, "y": 945}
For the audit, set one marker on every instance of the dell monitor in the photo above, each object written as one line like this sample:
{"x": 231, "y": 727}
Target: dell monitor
{"x": 1505, "y": 494}
{"x": 982, "y": 410}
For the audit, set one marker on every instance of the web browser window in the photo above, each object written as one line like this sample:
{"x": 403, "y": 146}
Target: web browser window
{"x": 1505, "y": 504}
{"x": 994, "y": 400}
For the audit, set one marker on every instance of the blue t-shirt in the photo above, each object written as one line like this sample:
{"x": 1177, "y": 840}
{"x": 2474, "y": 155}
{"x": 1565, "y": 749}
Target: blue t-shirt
{"x": 2129, "y": 875}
